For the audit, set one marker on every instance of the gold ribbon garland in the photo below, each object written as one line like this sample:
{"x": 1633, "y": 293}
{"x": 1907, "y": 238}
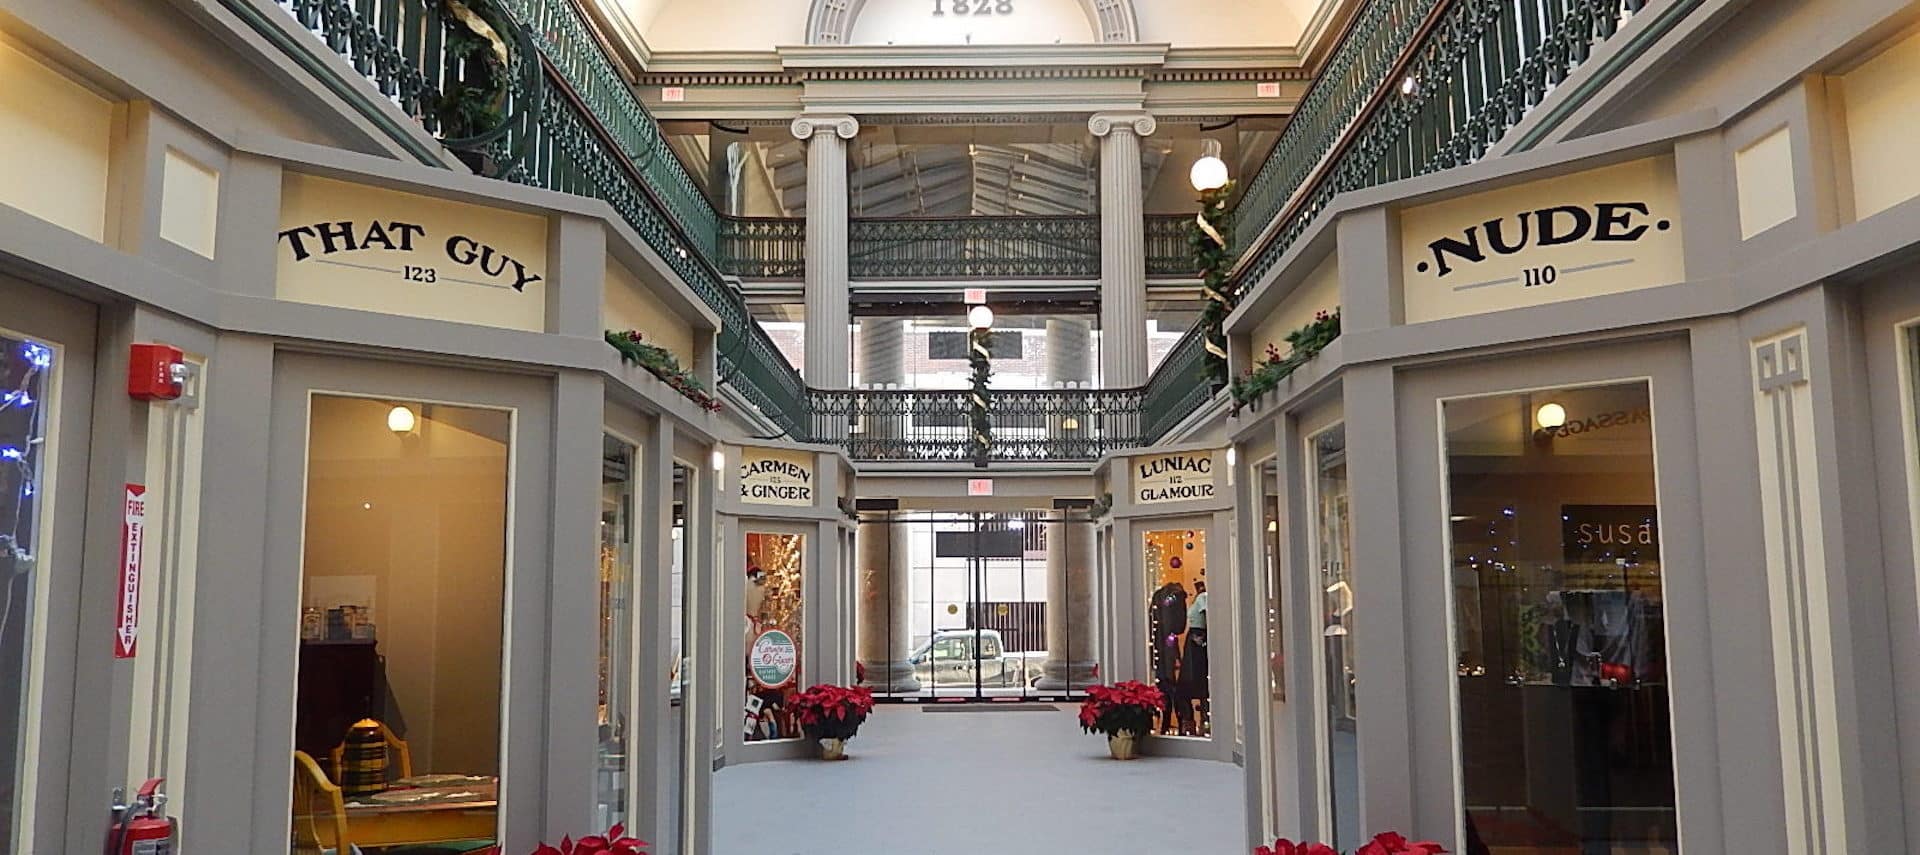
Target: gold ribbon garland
{"x": 480, "y": 28}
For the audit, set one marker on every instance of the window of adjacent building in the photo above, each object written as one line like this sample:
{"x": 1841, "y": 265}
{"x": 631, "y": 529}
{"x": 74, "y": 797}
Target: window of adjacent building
{"x": 774, "y": 610}
{"x": 1565, "y": 736}
{"x": 27, "y": 408}
{"x": 616, "y": 630}
{"x": 401, "y": 634}
{"x": 1332, "y": 552}
{"x": 1177, "y": 646}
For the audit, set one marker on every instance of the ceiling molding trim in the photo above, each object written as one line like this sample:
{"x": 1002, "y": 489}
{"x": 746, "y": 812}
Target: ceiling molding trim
{"x": 831, "y": 22}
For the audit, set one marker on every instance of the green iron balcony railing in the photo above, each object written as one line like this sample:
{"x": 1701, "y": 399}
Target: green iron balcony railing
{"x": 763, "y": 247}
{"x": 1178, "y": 388}
{"x": 558, "y": 117}
{"x": 1416, "y": 86}
{"x": 932, "y": 426}
{"x": 1169, "y": 246}
{"x": 974, "y": 247}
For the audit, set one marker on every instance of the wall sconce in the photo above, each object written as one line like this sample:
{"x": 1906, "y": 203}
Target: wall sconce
{"x": 719, "y": 460}
{"x": 401, "y": 420}
{"x": 1550, "y": 416}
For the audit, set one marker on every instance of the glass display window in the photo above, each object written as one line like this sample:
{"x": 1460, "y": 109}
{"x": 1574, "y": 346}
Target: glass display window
{"x": 1178, "y": 650}
{"x": 1560, "y": 631}
{"x": 617, "y": 464}
{"x": 1332, "y": 561}
{"x": 775, "y": 611}
{"x": 398, "y": 711}
{"x": 1273, "y": 566}
{"x": 26, "y": 413}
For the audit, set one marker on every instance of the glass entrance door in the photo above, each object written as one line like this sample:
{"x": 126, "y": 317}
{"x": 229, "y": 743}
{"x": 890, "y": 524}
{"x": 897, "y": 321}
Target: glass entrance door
{"x": 979, "y": 621}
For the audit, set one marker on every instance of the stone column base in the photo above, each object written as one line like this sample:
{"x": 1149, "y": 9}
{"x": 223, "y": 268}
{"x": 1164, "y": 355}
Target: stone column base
{"x": 890, "y": 677}
{"x": 1058, "y": 676}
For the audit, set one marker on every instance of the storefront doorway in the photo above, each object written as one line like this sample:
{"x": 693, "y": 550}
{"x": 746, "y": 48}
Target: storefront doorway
{"x": 979, "y": 622}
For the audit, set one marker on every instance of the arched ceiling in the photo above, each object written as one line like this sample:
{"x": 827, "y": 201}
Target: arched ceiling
{"x": 761, "y": 25}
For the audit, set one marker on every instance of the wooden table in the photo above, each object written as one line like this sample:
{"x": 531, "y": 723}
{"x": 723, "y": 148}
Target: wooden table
{"x": 468, "y": 812}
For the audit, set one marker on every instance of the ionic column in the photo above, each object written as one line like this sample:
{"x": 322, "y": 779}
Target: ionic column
{"x": 1070, "y": 662}
{"x": 1123, "y": 254}
{"x": 827, "y": 317}
{"x": 881, "y": 634}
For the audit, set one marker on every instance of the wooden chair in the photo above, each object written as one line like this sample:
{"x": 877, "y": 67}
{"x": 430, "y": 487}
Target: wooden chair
{"x": 319, "y": 813}
{"x": 396, "y": 748}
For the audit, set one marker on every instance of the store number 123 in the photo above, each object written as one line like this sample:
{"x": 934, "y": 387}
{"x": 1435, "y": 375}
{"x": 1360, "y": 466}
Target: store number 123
{"x": 972, "y": 7}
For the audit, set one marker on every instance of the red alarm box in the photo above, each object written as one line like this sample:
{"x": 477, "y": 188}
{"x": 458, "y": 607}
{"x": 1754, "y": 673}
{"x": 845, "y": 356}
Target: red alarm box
{"x": 157, "y": 372}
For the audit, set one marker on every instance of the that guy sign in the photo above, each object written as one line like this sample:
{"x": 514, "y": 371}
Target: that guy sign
{"x": 1182, "y": 476}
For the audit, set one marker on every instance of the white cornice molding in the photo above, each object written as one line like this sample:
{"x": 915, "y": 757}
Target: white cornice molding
{"x": 629, "y": 45}
{"x": 814, "y": 58}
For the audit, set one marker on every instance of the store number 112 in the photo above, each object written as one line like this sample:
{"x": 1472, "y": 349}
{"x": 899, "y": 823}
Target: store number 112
{"x": 972, "y": 7}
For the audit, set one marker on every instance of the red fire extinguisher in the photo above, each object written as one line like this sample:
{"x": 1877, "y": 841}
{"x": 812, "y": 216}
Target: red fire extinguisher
{"x": 139, "y": 828}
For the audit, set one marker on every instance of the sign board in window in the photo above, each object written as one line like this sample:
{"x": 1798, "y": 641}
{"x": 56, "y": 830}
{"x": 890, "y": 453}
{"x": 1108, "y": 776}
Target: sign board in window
{"x": 1603, "y": 231}
{"x": 1182, "y": 476}
{"x": 775, "y": 476}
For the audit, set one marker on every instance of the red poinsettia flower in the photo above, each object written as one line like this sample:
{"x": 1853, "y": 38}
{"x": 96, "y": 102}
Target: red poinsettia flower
{"x": 614, "y": 842}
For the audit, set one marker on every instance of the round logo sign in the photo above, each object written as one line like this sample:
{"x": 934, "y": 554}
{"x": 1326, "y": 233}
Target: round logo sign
{"x": 774, "y": 659}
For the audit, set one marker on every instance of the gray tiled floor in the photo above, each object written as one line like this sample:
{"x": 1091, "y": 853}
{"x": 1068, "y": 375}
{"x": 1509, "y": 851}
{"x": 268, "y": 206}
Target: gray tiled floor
{"x": 1009, "y": 783}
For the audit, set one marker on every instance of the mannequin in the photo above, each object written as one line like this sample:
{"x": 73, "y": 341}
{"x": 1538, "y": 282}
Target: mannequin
{"x": 1166, "y": 622}
{"x": 1194, "y": 689}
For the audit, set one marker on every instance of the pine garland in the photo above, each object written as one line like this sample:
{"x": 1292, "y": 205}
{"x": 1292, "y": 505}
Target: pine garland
{"x": 980, "y": 357}
{"x": 1306, "y": 343}
{"x": 662, "y": 364}
{"x": 1208, "y": 241}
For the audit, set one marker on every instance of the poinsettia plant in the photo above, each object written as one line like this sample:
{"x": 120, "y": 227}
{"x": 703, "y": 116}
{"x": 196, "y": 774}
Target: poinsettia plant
{"x": 1127, "y": 706}
{"x": 832, "y": 712}
{"x": 614, "y": 842}
{"x": 1384, "y": 843}
{"x": 661, "y": 363}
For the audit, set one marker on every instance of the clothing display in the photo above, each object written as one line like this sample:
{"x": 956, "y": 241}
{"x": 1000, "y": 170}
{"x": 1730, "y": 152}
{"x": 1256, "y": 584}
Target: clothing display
{"x": 1167, "y": 621}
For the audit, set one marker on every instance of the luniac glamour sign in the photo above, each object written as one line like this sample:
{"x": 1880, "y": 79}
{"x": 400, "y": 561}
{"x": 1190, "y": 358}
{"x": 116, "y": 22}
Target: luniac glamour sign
{"x": 1597, "y": 232}
{"x": 772, "y": 476}
{"x": 1182, "y": 476}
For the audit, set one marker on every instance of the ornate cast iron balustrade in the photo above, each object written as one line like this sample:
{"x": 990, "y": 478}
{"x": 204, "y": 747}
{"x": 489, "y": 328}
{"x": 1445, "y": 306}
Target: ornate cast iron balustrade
{"x": 763, "y": 247}
{"x": 975, "y": 247}
{"x": 1178, "y": 388}
{"x": 1029, "y": 426}
{"x": 571, "y": 125}
{"x": 1168, "y": 250}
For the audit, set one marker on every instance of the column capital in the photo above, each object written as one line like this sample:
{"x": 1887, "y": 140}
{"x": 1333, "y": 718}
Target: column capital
{"x": 1140, "y": 122}
{"x": 806, "y": 127}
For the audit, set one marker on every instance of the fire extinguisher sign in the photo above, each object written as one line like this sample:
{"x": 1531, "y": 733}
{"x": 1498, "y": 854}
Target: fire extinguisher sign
{"x": 133, "y": 530}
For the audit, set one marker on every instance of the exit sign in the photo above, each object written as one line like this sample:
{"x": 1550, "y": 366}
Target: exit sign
{"x": 979, "y": 486}
{"x": 672, "y": 94}
{"x": 1267, "y": 90}
{"x": 976, "y": 296}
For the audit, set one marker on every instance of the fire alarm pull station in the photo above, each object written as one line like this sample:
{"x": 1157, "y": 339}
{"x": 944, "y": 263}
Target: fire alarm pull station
{"x": 156, "y": 372}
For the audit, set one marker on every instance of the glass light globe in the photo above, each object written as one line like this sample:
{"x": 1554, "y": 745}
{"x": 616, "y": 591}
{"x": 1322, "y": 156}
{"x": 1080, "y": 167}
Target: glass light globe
{"x": 400, "y": 420}
{"x": 980, "y": 317}
{"x": 1209, "y": 173}
{"x": 1551, "y": 416}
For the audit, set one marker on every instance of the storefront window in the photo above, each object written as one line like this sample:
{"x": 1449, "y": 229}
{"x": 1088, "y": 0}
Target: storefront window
{"x": 616, "y": 629}
{"x": 1176, "y": 562}
{"x": 26, "y": 407}
{"x": 775, "y": 564}
{"x": 1332, "y": 554}
{"x": 1275, "y": 568}
{"x": 1565, "y": 738}
{"x": 404, "y": 570}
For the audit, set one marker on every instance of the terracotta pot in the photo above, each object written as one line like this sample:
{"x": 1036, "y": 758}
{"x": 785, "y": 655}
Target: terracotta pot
{"x": 833, "y": 749}
{"x": 1124, "y": 745}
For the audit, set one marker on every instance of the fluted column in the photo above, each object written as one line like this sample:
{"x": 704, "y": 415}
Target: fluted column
{"x": 1070, "y": 626}
{"x": 882, "y": 637}
{"x": 827, "y": 317}
{"x": 1123, "y": 254}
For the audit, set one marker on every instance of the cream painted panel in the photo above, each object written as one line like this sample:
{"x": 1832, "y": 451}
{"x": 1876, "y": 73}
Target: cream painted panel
{"x": 749, "y": 25}
{"x": 68, "y": 130}
{"x": 1223, "y": 23}
{"x": 630, "y": 306}
{"x": 1004, "y": 22}
{"x": 1319, "y": 293}
{"x": 189, "y": 203}
{"x": 1882, "y": 123}
{"x": 379, "y": 250}
{"x": 1763, "y": 172}
{"x": 1605, "y": 231}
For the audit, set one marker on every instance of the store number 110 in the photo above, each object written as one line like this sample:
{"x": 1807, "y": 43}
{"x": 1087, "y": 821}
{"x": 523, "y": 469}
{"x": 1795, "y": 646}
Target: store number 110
{"x": 972, "y": 7}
